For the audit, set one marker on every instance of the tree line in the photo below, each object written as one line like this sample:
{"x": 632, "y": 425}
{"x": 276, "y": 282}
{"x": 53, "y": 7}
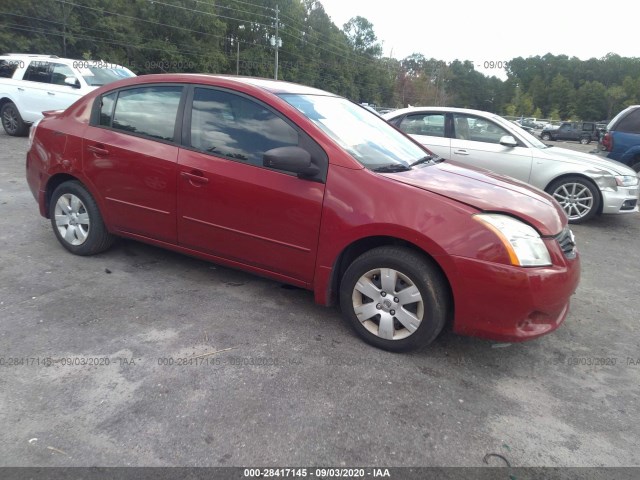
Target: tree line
{"x": 235, "y": 36}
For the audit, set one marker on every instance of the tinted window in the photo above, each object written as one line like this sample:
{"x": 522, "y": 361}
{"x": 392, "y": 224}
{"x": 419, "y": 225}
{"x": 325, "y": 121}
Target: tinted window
{"x": 60, "y": 73}
{"x": 106, "y": 109}
{"x": 149, "y": 111}
{"x": 8, "y": 67}
{"x": 630, "y": 123}
{"x": 477, "y": 129}
{"x": 431, "y": 124}
{"x": 38, "y": 71}
{"x": 235, "y": 127}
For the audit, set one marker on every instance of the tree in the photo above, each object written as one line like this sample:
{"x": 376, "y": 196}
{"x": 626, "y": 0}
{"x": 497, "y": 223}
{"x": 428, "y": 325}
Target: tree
{"x": 591, "y": 102}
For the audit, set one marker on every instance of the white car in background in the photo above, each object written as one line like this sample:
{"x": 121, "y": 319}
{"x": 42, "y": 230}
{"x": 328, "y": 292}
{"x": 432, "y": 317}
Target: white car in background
{"x": 585, "y": 185}
{"x": 32, "y": 84}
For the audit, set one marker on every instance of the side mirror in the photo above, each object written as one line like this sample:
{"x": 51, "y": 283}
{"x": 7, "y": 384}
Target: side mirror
{"x": 508, "y": 141}
{"x": 72, "y": 82}
{"x": 290, "y": 159}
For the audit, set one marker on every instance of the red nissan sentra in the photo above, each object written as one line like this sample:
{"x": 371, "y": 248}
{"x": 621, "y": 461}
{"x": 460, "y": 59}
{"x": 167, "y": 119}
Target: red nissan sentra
{"x": 310, "y": 189}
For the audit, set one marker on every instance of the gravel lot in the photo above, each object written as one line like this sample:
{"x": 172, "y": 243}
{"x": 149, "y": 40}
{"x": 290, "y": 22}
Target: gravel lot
{"x": 291, "y": 384}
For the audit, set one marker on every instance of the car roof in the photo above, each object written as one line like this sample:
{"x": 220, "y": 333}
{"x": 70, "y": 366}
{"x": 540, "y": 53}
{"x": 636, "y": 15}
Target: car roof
{"x": 404, "y": 111}
{"x": 265, "y": 84}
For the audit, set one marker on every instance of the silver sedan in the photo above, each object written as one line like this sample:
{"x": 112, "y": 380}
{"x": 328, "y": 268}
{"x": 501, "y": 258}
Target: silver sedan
{"x": 584, "y": 184}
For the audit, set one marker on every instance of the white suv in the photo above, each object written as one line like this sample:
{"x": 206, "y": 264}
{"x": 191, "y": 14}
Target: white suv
{"x": 32, "y": 84}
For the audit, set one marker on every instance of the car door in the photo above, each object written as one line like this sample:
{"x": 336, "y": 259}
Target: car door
{"x": 566, "y": 132}
{"x": 428, "y": 128}
{"x": 60, "y": 95}
{"x": 32, "y": 93}
{"x": 229, "y": 204}
{"x": 130, "y": 156}
{"x": 476, "y": 142}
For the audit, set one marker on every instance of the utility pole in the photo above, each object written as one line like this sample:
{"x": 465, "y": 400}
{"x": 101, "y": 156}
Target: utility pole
{"x": 240, "y": 28}
{"x": 277, "y": 42}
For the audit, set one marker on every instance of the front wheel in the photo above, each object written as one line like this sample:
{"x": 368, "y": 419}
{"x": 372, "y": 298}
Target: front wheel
{"x": 579, "y": 198}
{"x": 76, "y": 220}
{"x": 12, "y": 121}
{"x": 394, "y": 298}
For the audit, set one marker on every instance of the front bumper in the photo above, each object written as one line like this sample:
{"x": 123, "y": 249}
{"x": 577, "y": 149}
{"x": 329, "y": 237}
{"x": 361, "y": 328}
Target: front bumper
{"x": 512, "y": 304}
{"x": 620, "y": 200}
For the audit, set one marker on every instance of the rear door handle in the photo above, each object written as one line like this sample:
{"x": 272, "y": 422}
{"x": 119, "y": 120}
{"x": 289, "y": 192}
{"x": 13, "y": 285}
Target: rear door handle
{"x": 50, "y": 93}
{"x": 461, "y": 152}
{"x": 20, "y": 89}
{"x": 197, "y": 177}
{"x": 98, "y": 150}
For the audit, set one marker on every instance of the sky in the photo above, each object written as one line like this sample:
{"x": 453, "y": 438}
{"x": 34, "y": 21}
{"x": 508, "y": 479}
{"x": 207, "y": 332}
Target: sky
{"x": 496, "y": 30}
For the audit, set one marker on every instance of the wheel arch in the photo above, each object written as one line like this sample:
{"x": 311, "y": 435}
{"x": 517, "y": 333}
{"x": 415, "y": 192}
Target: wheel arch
{"x": 362, "y": 245}
{"x": 582, "y": 176}
{"x": 53, "y": 183}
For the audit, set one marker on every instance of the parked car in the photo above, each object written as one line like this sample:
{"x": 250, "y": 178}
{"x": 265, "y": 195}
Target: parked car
{"x": 583, "y": 132}
{"x": 585, "y": 185}
{"x": 621, "y": 140}
{"x": 310, "y": 189}
{"x": 31, "y": 84}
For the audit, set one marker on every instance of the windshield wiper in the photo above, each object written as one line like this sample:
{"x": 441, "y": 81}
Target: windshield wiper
{"x": 425, "y": 159}
{"x": 391, "y": 168}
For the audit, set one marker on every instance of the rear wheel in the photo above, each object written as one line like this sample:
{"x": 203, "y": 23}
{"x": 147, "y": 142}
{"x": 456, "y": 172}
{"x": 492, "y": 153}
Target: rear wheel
{"x": 394, "y": 298}
{"x": 579, "y": 198}
{"x": 585, "y": 140}
{"x": 76, "y": 220}
{"x": 546, "y": 136}
{"x": 636, "y": 164}
{"x": 12, "y": 121}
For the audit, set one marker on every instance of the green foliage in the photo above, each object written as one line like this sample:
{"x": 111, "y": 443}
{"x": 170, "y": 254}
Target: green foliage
{"x": 154, "y": 36}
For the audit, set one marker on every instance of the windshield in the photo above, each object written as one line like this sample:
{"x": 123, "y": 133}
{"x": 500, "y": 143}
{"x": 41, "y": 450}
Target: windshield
{"x": 99, "y": 75}
{"x": 535, "y": 143}
{"x": 365, "y": 136}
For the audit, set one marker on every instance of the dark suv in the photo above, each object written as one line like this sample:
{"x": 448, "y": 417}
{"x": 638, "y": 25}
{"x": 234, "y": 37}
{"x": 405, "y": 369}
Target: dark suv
{"x": 621, "y": 141}
{"x": 583, "y": 132}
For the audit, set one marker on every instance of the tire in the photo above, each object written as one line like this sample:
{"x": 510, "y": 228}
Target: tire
{"x": 585, "y": 140}
{"x": 636, "y": 164}
{"x": 578, "y": 197}
{"x": 414, "y": 309}
{"x": 76, "y": 220}
{"x": 546, "y": 137}
{"x": 12, "y": 121}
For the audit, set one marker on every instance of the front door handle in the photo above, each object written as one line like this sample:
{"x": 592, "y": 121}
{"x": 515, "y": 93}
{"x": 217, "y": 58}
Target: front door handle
{"x": 196, "y": 177}
{"x": 461, "y": 152}
{"x": 50, "y": 93}
{"x": 20, "y": 89}
{"x": 98, "y": 149}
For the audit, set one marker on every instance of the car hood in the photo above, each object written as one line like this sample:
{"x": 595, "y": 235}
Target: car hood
{"x": 588, "y": 159}
{"x": 488, "y": 192}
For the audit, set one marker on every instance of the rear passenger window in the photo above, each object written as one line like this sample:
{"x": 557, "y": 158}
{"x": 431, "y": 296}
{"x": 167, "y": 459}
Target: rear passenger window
{"x": 106, "y": 109}
{"x": 630, "y": 123}
{"x": 8, "y": 67}
{"x": 431, "y": 124}
{"x": 235, "y": 127}
{"x": 38, "y": 71}
{"x": 148, "y": 111}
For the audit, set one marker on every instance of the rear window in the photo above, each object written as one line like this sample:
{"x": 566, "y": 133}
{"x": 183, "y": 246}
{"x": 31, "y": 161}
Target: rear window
{"x": 8, "y": 68}
{"x": 148, "y": 111}
{"x": 630, "y": 123}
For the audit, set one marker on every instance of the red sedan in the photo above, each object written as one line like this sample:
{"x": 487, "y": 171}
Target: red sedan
{"x": 310, "y": 189}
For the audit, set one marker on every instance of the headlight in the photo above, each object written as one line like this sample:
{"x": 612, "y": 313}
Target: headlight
{"x": 626, "y": 180}
{"x": 525, "y": 247}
